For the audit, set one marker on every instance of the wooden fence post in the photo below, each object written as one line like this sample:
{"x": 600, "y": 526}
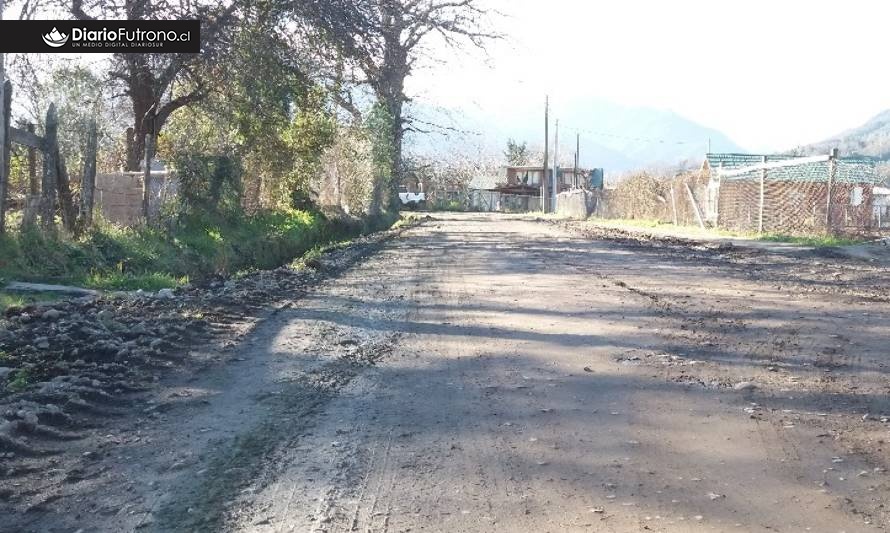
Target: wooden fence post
{"x": 50, "y": 169}
{"x": 829, "y": 195}
{"x": 32, "y": 199}
{"x": 698, "y": 216}
{"x": 33, "y": 184}
{"x": 762, "y": 191}
{"x": 88, "y": 183}
{"x": 5, "y": 150}
{"x": 673, "y": 205}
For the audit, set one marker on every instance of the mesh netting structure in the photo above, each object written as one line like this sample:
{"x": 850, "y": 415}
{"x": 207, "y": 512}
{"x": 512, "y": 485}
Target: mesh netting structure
{"x": 756, "y": 193}
{"x": 785, "y": 194}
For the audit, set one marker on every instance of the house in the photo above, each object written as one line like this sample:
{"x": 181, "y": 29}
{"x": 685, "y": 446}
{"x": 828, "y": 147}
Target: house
{"x": 785, "y": 193}
{"x": 530, "y": 175}
{"x": 518, "y": 188}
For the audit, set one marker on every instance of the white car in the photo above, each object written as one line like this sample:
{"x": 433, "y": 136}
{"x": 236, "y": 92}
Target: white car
{"x": 412, "y": 199}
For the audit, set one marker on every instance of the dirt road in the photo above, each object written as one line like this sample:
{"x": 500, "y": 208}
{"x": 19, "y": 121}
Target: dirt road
{"x": 486, "y": 373}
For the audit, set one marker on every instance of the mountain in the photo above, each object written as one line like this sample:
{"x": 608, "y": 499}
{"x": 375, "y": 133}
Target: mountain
{"x": 646, "y": 137}
{"x": 614, "y": 137}
{"x": 871, "y": 139}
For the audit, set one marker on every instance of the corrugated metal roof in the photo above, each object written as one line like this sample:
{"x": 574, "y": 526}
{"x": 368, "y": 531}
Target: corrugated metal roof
{"x": 849, "y": 169}
{"x": 731, "y": 161}
{"x": 486, "y": 182}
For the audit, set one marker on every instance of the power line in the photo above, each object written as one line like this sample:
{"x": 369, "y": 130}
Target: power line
{"x": 601, "y": 133}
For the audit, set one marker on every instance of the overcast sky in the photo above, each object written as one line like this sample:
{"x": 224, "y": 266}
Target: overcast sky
{"x": 770, "y": 74}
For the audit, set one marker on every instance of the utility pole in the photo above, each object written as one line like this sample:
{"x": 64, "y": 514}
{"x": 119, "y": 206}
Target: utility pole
{"x": 575, "y": 181}
{"x": 555, "y": 177}
{"x": 544, "y": 190}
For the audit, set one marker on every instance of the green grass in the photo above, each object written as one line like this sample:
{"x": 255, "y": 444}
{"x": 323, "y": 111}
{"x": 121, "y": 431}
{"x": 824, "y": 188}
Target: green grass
{"x": 817, "y": 241}
{"x": 21, "y": 380}
{"x": 113, "y": 258}
{"x": 19, "y": 299}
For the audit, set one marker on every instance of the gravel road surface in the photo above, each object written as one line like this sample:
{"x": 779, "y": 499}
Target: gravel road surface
{"x": 496, "y": 373}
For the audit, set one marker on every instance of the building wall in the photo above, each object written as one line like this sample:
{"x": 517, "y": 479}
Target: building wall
{"x": 119, "y": 195}
{"x": 576, "y": 203}
{"x": 515, "y": 176}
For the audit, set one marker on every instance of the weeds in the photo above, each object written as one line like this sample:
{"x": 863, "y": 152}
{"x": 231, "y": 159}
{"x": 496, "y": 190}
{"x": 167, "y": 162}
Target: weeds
{"x": 20, "y": 382}
{"x": 197, "y": 246}
{"x": 17, "y": 299}
{"x": 816, "y": 241}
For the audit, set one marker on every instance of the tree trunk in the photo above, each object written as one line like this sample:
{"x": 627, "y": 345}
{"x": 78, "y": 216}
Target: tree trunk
{"x": 136, "y": 158}
{"x": 397, "y": 167}
{"x": 33, "y": 183}
{"x": 5, "y": 149}
{"x": 386, "y": 189}
{"x": 66, "y": 201}
{"x": 146, "y": 177}
{"x": 133, "y": 157}
{"x": 88, "y": 183}
{"x": 143, "y": 97}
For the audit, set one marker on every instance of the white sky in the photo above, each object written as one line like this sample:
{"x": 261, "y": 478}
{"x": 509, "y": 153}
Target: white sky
{"x": 770, "y": 74}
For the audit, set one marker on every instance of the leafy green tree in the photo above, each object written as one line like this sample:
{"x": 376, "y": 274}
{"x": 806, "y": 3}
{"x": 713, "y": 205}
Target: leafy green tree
{"x": 272, "y": 116}
{"x": 517, "y": 154}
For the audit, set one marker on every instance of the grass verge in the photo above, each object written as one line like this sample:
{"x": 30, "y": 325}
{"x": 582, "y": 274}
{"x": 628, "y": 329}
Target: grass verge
{"x": 666, "y": 228}
{"x": 113, "y": 258}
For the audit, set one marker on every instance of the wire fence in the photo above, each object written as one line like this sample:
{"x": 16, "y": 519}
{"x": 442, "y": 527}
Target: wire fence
{"x": 798, "y": 195}
{"x": 765, "y": 194}
{"x": 486, "y": 200}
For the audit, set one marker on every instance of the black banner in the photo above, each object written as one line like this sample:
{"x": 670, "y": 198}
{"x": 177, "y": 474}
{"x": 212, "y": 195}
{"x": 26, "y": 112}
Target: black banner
{"x": 100, "y": 36}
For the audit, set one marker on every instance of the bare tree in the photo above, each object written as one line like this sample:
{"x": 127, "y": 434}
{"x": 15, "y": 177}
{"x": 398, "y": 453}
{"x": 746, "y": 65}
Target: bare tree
{"x": 388, "y": 52}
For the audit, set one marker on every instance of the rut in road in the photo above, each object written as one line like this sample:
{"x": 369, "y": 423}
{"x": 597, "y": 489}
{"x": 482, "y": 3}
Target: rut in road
{"x": 504, "y": 394}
